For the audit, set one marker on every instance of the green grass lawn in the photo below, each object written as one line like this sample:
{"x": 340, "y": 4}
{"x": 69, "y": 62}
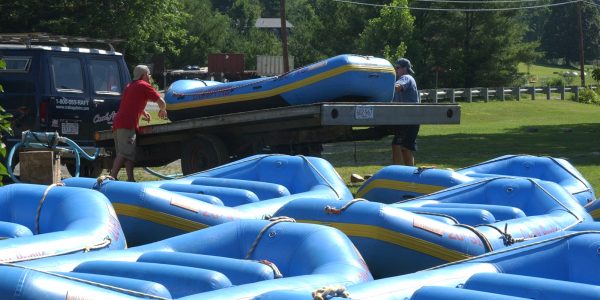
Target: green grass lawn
{"x": 549, "y": 128}
{"x": 545, "y": 72}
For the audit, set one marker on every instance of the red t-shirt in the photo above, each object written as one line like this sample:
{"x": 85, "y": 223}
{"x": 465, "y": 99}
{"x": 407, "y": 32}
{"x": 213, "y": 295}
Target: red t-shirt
{"x": 134, "y": 100}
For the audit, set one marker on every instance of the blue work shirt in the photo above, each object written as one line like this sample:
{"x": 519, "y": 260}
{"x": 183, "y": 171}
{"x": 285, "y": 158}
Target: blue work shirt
{"x": 409, "y": 91}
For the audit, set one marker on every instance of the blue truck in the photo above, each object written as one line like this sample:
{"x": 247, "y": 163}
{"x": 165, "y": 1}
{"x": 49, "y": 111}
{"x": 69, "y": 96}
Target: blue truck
{"x": 53, "y": 88}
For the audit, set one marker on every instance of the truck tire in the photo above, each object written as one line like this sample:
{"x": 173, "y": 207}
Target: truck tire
{"x": 87, "y": 168}
{"x": 203, "y": 152}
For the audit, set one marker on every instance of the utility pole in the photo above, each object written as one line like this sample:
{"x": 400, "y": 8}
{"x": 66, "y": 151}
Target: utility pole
{"x": 581, "y": 59}
{"x": 286, "y": 63}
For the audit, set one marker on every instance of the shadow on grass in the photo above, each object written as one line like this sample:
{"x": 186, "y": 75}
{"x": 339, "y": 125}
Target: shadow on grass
{"x": 578, "y": 143}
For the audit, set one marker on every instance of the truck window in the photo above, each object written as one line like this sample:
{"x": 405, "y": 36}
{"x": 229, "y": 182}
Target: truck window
{"x": 16, "y": 64}
{"x": 105, "y": 77}
{"x": 67, "y": 74}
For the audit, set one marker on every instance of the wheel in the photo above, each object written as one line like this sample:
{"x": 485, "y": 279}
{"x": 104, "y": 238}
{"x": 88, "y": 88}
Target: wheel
{"x": 203, "y": 152}
{"x": 86, "y": 168}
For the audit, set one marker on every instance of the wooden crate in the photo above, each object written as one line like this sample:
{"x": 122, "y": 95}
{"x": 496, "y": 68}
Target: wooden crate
{"x": 42, "y": 167}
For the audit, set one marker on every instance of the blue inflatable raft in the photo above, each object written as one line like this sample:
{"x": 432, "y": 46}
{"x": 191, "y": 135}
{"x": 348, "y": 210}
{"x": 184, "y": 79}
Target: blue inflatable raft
{"x": 396, "y": 183}
{"x": 593, "y": 209}
{"x": 251, "y": 188}
{"x": 340, "y": 78}
{"x": 563, "y": 266}
{"x": 236, "y": 260}
{"x": 559, "y": 266}
{"x": 38, "y": 221}
{"x": 460, "y": 222}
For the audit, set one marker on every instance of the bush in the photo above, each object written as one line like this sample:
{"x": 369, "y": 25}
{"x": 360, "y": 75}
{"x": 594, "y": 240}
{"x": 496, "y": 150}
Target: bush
{"x": 555, "y": 81}
{"x": 4, "y": 129}
{"x": 596, "y": 74}
{"x": 588, "y": 96}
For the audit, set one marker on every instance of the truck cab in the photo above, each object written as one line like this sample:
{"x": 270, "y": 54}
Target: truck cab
{"x": 72, "y": 91}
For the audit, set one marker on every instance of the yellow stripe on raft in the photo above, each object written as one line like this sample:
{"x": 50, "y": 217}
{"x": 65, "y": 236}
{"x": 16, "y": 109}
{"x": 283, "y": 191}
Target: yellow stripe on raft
{"x": 399, "y": 185}
{"x": 393, "y": 237}
{"x": 280, "y": 90}
{"x": 157, "y": 217}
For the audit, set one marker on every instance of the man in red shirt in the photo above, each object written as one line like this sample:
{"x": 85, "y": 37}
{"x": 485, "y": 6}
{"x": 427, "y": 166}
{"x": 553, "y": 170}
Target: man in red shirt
{"x": 126, "y": 122}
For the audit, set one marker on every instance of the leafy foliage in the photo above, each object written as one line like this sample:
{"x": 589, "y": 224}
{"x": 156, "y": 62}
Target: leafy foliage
{"x": 460, "y": 48}
{"x": 588, "y": 96}
{"x": 4, "y": 129}
{"x": 560, "y": 38}
{"x": 148, "y": 27}
{"x": 554, "y": 81}
{"x": 387, "y": 35}
{"x": 596, "y": 74}
{"x": 472, "y": 48}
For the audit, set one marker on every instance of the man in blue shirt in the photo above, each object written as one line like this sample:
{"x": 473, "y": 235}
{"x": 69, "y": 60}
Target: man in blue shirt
{"x": 404, "y": 142}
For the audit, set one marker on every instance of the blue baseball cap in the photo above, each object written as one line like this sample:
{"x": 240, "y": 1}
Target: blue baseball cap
{"x": 405, "y": 63}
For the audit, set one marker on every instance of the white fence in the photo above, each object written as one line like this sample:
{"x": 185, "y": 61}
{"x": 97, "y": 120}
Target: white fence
{"x": 501, "y": 93}
{"x": 272, "y": 65}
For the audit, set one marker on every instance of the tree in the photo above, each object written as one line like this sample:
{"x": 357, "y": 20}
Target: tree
{"x": 148, "y": 27}
{"x": 303, "y": 40}
{"x": 209, "y": 31}
{"x": 561, "y": 36}
{"x": 342, "y": 25}
{"x": 244, "y": 14}
{"x": 475, "y": 48}
{"x": 388, "y": 34}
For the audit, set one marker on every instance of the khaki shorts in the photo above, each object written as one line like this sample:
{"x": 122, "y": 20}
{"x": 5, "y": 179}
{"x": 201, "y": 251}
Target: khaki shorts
{"x": 125, "y": 143}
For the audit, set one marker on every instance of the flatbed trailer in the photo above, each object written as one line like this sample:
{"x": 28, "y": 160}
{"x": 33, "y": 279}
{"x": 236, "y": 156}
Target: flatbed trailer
{"x": 206, "y": 142}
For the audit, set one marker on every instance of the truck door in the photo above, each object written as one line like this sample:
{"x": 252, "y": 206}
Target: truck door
{"x": 69, "y": 107}
{"x": 107, "y": 85}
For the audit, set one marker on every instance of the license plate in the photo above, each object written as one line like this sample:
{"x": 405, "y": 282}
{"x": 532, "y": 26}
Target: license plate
{"x": 363, "y": 112}
{"x": 69, "y": 128}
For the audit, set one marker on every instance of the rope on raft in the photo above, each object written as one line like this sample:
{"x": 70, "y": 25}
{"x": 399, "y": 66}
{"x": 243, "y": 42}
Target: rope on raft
{"x": 39, "y": 208}
{"x": 484, "y": 240}
{"x": 320, "y": 175}
{"x": 104, "y": 243}
{"x": 336, "y": 211}
{"x": 277, "y": 274}
{"x": 329, "y": 292}
{"x": 257, "y": 239}
{"x": 100, "y": 180}
{"x": 507, "y": 238}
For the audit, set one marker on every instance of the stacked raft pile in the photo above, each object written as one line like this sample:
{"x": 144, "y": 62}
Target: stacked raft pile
{"x": 562, "y": 266}
{"x": 251, "y": 188}
{"x": 463, "y": 221}
{"x": 485, "y": 233}
{"x": 396, "y": 183}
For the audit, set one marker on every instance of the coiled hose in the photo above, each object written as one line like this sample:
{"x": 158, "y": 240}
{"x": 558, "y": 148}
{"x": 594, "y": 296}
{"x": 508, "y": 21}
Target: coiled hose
{"x": 48, "y": 140}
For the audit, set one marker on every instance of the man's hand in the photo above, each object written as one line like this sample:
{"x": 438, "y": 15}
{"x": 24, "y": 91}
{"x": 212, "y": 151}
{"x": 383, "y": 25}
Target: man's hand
{"x": 146, "y": 116}
{"x": 398, "y": 87}
{"x": 162, "y": 114}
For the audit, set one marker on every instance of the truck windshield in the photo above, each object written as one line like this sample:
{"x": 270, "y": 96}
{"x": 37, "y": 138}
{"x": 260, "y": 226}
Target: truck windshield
{"x": 67, "y": 74}
{"x": 105, "y": 76}
{"x": 16, "y": 64}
